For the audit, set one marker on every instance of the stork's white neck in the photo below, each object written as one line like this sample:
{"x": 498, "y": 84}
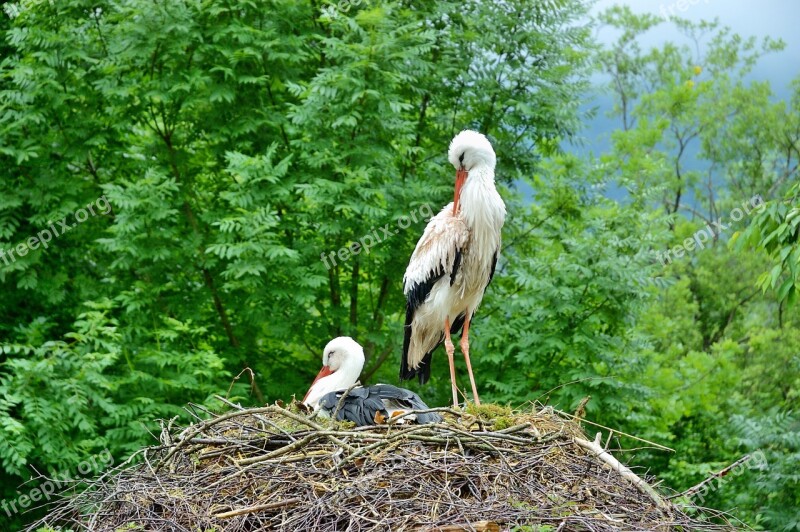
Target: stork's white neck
{"x": 480, "y": 204}
{"x": 341, "y": 379}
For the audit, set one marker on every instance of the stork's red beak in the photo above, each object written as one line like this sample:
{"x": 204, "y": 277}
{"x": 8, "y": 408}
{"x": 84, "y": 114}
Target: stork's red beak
{"x": 461, "y": 176}
{"x": 324, "y": 372}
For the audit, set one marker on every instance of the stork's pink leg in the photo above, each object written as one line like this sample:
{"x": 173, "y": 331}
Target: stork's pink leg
{"x": 450, "y": 348}
{"x": 465, "y": 350}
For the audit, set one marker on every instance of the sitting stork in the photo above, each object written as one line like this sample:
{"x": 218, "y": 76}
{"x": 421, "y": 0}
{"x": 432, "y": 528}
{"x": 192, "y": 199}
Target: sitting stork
{"x": 342, "y": 362}
{"x": 453, "y": 262}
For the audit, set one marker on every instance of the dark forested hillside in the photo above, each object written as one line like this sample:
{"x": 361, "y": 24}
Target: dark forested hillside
{"x": 196, "y": 196}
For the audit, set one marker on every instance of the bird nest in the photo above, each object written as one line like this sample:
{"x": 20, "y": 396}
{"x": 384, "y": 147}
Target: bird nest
{"x": 276, "y": 468}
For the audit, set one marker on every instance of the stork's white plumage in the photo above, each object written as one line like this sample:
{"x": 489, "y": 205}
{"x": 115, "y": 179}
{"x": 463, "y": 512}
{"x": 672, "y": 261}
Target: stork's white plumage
{"x": 453, "y": 262}
{"x": 342, "y": 362}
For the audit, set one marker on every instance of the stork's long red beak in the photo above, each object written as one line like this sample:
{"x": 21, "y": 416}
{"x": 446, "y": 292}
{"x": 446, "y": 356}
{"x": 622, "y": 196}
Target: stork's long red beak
{"x": 324, "y": 372}
{"x": 461, "y": 176}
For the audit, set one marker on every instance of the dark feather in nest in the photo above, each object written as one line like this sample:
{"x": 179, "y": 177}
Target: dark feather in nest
{"x": 363, "y": 403}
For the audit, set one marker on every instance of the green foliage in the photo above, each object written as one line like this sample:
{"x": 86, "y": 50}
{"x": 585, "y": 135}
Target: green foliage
{"x": 242, "y": 145}
{"x": 776, "y": 230}
{"x": 236, "y": 143}
{"x": 720, "y": 357}
{"x": 574, "y": 275}
{"x": 773, "y": 496}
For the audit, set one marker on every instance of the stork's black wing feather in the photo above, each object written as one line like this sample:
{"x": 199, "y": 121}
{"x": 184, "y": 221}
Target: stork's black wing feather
{"x": 415, "y": 298}
{"x": 456, "y": 266}
{"x": 494, "y": 265}
{"x": 361, "y": 404}
{"x": 406, "y": 399}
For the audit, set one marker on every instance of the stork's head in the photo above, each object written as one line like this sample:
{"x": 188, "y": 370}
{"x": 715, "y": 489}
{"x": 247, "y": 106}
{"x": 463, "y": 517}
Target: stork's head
{"x": 469, "y": 150}
{"x": 342, "y": 362}
{"x": 343, "y": 351}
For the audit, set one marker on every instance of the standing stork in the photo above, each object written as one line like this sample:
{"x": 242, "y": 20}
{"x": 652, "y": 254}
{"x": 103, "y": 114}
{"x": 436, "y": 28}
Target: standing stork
{"x": 453, "y": 262}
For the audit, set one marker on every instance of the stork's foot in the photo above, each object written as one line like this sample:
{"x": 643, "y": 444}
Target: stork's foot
{"x": 451, "y": 349}
{"x": 465, "y": 350}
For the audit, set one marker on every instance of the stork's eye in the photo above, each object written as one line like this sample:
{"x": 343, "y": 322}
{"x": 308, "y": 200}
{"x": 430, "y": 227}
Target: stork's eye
{"x": 461, "y": 158}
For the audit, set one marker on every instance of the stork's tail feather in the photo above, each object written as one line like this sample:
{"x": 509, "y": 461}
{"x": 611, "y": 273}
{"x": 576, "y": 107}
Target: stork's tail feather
{"x": 457, "y": 325}
{"x": 407, "y": 373}
{"x": 423, "y": 371}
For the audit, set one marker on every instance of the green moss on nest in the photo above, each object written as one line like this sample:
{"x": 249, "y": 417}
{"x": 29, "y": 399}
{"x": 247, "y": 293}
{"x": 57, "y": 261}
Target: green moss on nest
{"x": 499, "y": 417}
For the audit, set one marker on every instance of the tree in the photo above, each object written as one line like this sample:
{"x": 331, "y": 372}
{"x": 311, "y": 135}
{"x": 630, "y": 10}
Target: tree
{"x": 718, "y": 151}
{"x": 236, "y": 143}
{"x": 776, "y": 230}
{"x": 575, "y": 276}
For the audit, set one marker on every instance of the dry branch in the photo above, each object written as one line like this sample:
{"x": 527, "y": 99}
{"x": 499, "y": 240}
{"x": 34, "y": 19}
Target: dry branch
{"x": 595, "y": 448}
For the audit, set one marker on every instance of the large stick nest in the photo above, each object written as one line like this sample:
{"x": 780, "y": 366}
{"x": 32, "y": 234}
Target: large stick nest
{"x": 274, "y": 468}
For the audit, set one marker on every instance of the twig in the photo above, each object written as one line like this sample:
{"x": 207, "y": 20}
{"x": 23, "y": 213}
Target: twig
{"x": 631, "y": 436}
{"x": 515, "y": 428}
{"x": 340, "y": 404}
{"x": 239, "y": 376}
{"x": 257, "y": 508}
{"x": 719, "y": 474}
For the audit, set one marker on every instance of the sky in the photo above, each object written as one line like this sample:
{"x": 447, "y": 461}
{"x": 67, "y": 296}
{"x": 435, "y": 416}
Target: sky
{"x": 778, "y": 19}
{"x": 773, "y": 18}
